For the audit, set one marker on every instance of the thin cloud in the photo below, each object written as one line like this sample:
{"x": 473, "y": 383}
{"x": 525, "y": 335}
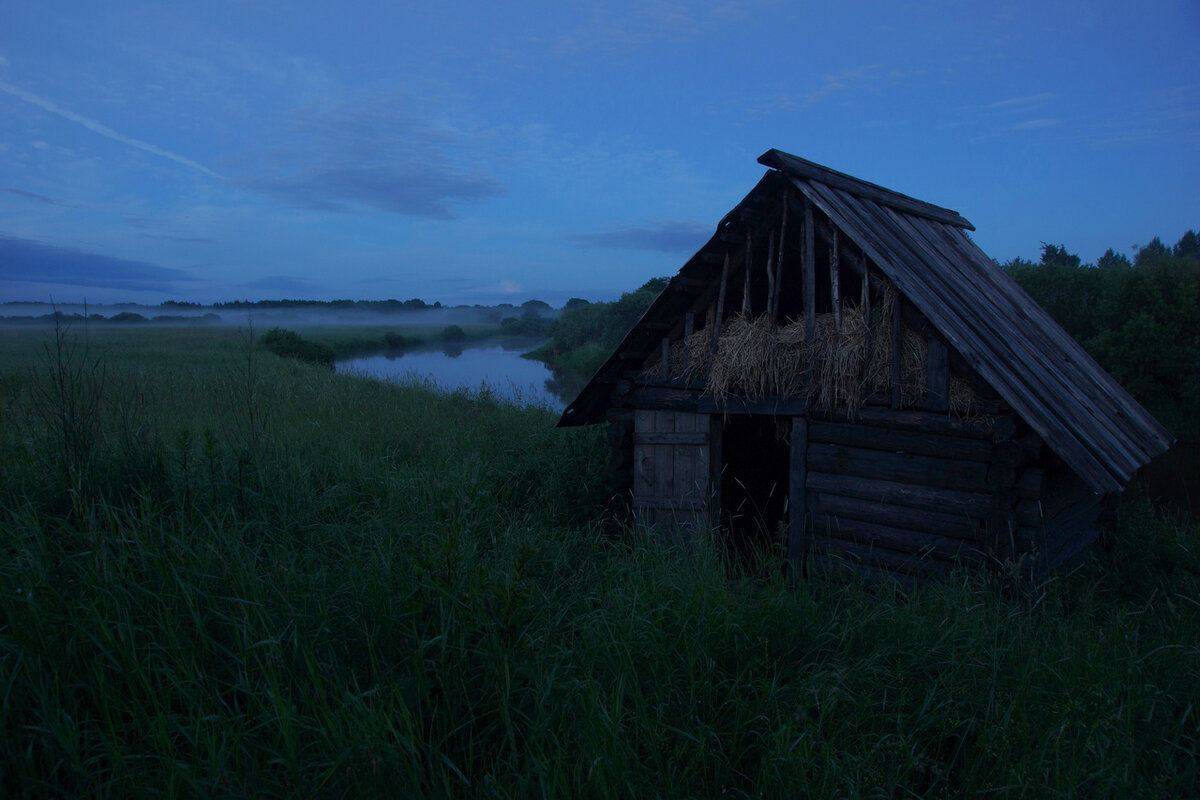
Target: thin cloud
{"x": 177, "y": 238}
{"x": 841, "y": 83}
{"x": 666, "y": 237}
{"x": 418, "y": 190}
{"x": 614, "y": 29}
{"x": 1034, "y": 124}
{"x": 41, "y": 198}
{"x": 101, "y": 129}
{"x": 1014, "y": 103}
{"x": 281, "y": 285}
{"x": 28, "y": 261}
{"x": 504, "y": 287}
{"x": 358, "y": 156}
{"x": 830, "y": 86}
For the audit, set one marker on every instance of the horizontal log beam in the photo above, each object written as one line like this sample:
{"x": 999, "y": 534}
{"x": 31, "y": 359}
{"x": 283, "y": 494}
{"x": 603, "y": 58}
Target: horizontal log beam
{"x": 970, "y": 504}
{"x": 896, "y": 540}
{"x": 943, "y": 473}
{"x": 901, "y": 441}
{"x": 917, "y": 519}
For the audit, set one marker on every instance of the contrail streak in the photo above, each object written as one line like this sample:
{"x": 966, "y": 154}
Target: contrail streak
{"x": 103, "y": 130}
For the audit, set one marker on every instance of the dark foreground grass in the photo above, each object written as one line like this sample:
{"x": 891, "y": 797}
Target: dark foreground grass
{"x": 224, "y": 574}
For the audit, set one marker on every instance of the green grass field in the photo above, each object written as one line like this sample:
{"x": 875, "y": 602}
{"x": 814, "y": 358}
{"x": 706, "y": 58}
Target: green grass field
{"x": 225, "y": 574}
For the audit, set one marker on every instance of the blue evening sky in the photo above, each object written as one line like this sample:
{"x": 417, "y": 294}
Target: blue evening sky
{"x": 489, "y": 152}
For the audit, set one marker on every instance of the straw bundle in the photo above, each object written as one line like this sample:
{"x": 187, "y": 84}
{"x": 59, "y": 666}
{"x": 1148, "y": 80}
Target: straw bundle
{"x": 839, "y": 368}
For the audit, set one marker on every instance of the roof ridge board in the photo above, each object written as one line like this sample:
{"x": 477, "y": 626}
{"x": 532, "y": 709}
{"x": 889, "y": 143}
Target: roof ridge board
{"x": 1081, "y": 458}
{"x": 797, "y": 167}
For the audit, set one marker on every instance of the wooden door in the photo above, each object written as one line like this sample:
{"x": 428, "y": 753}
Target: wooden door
{"x": 672, "y": 453}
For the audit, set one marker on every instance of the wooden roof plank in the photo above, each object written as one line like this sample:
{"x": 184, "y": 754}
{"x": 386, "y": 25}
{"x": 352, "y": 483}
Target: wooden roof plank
{"x": 1124, "y": 406}
{"x": 1136, "y": 431}
{"x": 1040, "y": 370}
{"x": 856, "y": 222}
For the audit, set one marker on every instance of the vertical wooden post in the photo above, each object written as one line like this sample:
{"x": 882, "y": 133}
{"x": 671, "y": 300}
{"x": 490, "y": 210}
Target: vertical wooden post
{"x": 810, "y": 274}
{"x": 746, "y": 287}
{"x": 897, "y": 326}
{"x": 716, "y": 467}
{"x": 716, "y": 326}
{"x": 771, "y": 278}
{"x": 797, "y": 500}
{"x": 779, "y": 257}
{"x": 865, "y": 300}
{"x": 865, "y": 305}
{"x": 666, "y": 357}
{"x": 834, "y": 289}
{"x": 689, "y": 325}
{"x": 937, "y": 375}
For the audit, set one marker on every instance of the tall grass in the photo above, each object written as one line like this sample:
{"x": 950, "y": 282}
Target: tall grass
{"x": 278, "y": 581}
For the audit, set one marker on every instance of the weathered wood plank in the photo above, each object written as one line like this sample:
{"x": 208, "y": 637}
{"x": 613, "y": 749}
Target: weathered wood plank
{"x": 769, "y": 268}
{"x": 897, "y": 338}
{"x": 689, "y": 325}
{"x": 972, "y": 504}
{"x": 746, "y": 262}
{"x": 958, "y": 527}
{"x": 937, "y": 374}
{"x": 901, "y": 441}
{"x": 809, "y": 271}
{"x": 716, "y": 326}
{"x": 835, "y": 294}
{"x": 656, "y": 398}
{"x": 798, "y": 168}
{"x": 865, "y": 304}
{"x": 783, "y": 227}
{"x": 682, "y": 438}
{"x": 941, "y": 473}
{"x": 736, "y": 405}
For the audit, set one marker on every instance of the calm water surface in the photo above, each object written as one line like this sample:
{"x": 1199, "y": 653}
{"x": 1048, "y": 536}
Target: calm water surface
{"x": 467, "y": 365}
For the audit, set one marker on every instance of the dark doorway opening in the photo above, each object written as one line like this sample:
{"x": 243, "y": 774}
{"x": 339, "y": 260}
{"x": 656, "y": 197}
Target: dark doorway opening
{"x": 754, "y": 484}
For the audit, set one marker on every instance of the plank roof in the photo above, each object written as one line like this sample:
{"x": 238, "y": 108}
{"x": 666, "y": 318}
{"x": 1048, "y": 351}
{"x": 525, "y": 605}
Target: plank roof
{"x": 1048, "y": 379}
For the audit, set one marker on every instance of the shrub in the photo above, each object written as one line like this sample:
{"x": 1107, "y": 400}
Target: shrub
{"x": 453, "y": 333}
{"x": 289, "y": 344}
{"x": 395, "y": 340}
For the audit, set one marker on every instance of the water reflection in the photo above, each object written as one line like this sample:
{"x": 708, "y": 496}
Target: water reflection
{"x": 496, "y": 364}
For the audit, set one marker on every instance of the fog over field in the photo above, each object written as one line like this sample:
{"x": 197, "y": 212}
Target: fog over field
{"x": 267, "y": 316}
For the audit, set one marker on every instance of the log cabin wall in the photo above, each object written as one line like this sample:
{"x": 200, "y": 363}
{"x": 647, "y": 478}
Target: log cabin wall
{"x": 898, "y": 491}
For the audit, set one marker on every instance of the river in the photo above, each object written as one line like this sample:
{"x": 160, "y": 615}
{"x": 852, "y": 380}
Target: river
{"x": 496, "y": 363}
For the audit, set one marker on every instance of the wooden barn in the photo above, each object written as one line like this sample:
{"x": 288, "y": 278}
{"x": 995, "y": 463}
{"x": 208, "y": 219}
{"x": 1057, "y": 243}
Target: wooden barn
{"x": 841, "y": 374}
